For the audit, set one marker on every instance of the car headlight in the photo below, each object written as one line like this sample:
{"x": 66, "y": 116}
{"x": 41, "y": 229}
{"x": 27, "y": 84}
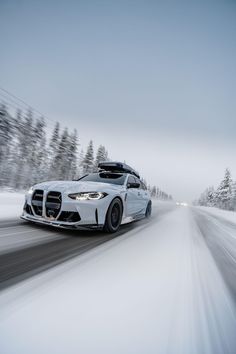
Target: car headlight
{"x": 30, "y": 191}
{"x": 87, "y": 195}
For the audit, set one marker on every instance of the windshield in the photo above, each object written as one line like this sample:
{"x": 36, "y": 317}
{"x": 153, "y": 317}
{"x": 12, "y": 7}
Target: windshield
{"x": 105, "y": 177}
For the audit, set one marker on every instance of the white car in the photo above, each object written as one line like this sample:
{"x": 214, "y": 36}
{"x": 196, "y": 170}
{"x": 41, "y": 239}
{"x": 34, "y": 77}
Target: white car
{"x": 104, "y": 200}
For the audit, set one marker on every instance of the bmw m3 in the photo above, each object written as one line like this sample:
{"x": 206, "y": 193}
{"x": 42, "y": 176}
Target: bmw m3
{"x": 103, "y": 200}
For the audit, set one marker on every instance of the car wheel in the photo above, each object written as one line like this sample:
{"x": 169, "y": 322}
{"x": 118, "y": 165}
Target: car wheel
{"x": 113, "y": 217}
{"x": 148, "y": 209}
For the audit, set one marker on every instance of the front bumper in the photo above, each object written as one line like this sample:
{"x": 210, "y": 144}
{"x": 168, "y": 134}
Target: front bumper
{"x": 87, "y": 214}
{"x": 59, "y": 224}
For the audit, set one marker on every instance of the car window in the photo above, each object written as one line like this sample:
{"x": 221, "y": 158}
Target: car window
{"x": 105, "y": 177}
{"x": 138, "y": 181}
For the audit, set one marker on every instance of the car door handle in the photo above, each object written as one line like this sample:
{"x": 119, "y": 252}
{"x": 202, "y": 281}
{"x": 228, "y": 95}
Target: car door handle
{"x": 138, "y": 193}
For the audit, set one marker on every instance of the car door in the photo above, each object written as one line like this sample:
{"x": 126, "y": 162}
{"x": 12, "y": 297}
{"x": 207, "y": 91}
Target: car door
{"x": 132, "y": 198}
{"x": 145, "y": 196}
{"x": 141, "y": 197}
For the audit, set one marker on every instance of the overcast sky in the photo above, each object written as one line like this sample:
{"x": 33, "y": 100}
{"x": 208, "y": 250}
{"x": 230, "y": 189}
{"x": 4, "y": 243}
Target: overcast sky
{"x": 154, "y": 81}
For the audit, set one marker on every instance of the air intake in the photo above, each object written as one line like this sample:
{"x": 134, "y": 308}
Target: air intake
{"x": 53, "y": 204}
{"x": 37, "y": 202}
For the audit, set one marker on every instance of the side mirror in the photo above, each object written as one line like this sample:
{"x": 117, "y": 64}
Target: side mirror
{"x": 133, "y": 185}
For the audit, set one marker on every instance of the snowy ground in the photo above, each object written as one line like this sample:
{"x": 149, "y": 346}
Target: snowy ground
{"x": 11, "y": 205}
{"x": 159, "y": 288}
{"x": 219, "y": 213}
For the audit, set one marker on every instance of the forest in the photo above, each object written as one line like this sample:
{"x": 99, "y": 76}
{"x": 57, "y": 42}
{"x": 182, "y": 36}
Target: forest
{"x": 29, "y": 155}
{"x": 224, "y": 196}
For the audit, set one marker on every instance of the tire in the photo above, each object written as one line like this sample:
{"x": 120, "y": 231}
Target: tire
{"x": 114, "y": 216}
{"x": 148, "y": 212}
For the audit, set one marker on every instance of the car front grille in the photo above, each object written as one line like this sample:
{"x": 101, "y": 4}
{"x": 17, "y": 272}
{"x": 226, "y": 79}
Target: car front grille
{"x": 37, "y": 202}
{"x": 53, "y": 204}
{"x": 52, "y": 207}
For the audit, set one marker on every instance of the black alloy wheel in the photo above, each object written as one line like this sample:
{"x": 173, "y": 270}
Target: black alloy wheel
{"x": 114, "y": 215}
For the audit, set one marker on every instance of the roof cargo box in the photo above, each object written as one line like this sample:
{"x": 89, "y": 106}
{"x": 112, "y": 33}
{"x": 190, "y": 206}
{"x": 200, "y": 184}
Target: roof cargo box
{"x": 117, "y": 167}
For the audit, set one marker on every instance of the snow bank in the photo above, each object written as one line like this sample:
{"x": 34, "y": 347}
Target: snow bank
{"x": 219, "y": 213}
{"x": 11, "y": 204}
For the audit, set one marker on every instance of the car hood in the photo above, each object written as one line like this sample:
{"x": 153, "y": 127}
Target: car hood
{"x": 77, "y": 186}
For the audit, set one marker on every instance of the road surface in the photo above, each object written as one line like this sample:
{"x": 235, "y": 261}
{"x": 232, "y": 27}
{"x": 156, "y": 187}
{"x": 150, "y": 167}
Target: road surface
{"x": 27, "y": 249}
{"x": 167, "y": 285}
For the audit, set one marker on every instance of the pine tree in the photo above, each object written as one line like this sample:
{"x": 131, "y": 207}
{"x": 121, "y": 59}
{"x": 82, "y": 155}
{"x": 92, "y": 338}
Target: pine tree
{"x": 72, "y": 155}
{"x": 39, "y": 162}
{"x": 88, "y": 163}
{"x": 101, "y": 155}
{"x": 13, "y": 157}
{"x": 80, "y": 163}
{"x": 6, "y": 135}
{"x": 233, "y": 197}
{"x": 26, "y": 158}
{"x": 210, "y": 196}
{"x": 7, "y": 132}
{"x": 28, "y": 150}
{"x": 61, "y": 159}
{"x": 53, "y": 151}
{"x": 53, "y": 144}
{"x": 225, "y": 191}
{"x": 25, "y": 149}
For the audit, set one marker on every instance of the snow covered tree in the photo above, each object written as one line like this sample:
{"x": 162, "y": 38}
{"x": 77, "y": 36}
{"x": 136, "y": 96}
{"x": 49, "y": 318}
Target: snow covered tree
{"x": 223, "y": 197}
{"x": 80, "y": 163}
{"x": 6, "y": 134}
{"x": 61, "y": 159}
{"x": 207, "y": 198}
{"x": 88, "y": 162}
{"x": 53, "y": 152}
{"x": 39, "y": 157}
{"x": 224, "y": 194}
{"x": 210, "y": 196}
{"x": 72, "y": 155}
{"x": 26, "y": 151}
{"x": 101, "y": 156}
{"x": 5, "y": 129}
{"x": 13, "y": 156}
{"x": 27, "y": 158}
{"x": 202, "y": 200}
{"x": 233, "y": 197}
{"x": 54, "y": 141}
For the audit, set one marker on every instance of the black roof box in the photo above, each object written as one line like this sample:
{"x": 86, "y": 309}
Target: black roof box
{"x": 117, "y": 167}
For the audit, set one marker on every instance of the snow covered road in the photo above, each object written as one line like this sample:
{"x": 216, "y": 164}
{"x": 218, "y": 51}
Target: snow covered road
{"x": 27, "y": 249}
{"x": 167, "y": 286}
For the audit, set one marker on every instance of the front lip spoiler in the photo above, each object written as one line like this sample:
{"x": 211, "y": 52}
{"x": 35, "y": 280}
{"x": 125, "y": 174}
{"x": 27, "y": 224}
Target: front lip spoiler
{"x": 62, "y": 225}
